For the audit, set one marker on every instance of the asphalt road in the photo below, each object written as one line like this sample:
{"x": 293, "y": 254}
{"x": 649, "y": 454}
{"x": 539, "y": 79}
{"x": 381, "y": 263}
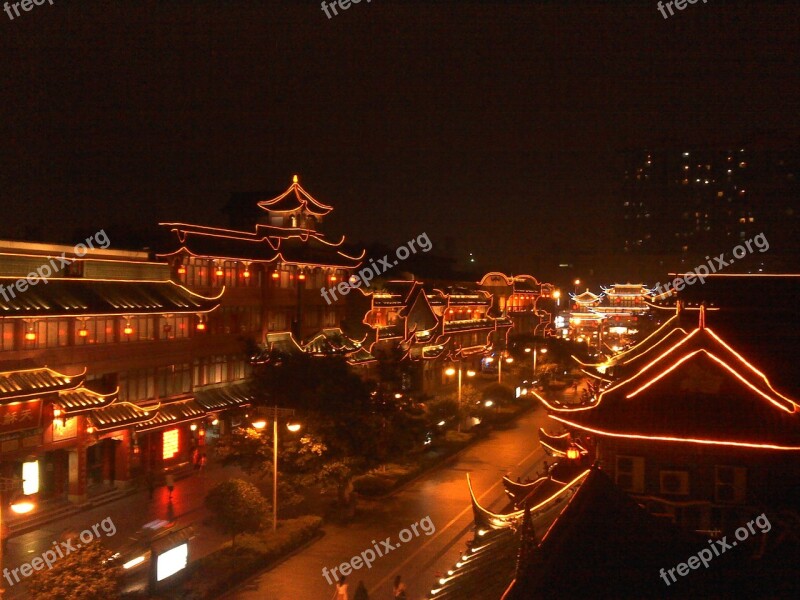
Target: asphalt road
{"x": 441, "y": 494}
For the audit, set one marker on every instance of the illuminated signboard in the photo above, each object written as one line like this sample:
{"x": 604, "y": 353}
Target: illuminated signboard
{"x": 30, "y": 477}
{"x": 170, "y": 444}
{"x": 172, "y": 561}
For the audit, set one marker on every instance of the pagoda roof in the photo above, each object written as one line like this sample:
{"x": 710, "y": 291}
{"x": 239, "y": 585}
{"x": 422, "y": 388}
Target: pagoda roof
{"x": 331, "y": 341}
{"x": 700, "y": 390}
{"x": 232, "y": 395}
{"x": 267, "y": 245}
{"x": 282, "y": 342}
{"x": 23, "y": 383}
{"x": 88, "y": 297}
{"x": 293, "y": 199}
{"x": 586, "y": 297}
{"x": 360, "y": 357}
{"x": 81, "y": 400}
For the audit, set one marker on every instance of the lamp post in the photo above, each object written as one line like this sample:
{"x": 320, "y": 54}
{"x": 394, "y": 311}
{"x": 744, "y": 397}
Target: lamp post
{"x": 9, "y": 484}
{"x": 507, "y": 359}
{"x": 259, "y": 425}
{"x": 452, "y": 371}
{"x": 535, "y": 352}
{"x": 577, "y": 282}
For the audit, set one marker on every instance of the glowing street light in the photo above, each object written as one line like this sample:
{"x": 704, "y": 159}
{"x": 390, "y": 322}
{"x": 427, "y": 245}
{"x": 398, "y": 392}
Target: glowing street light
{"x": 450, "y": 371}
{"x": 292, "y": 426}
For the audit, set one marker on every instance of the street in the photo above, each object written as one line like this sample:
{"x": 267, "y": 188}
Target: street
{"x": 440, "y": 494}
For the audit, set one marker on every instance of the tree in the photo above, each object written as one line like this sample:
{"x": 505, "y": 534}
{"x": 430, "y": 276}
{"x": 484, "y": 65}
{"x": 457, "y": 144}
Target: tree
{"x": 247, "y": 448}
{"x": 84, "y": 574}
{"x": 237, "y": 506}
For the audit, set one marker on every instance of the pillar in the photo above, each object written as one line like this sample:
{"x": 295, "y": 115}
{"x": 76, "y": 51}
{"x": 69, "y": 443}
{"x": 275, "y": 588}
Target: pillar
{"x": 77, "y": 474}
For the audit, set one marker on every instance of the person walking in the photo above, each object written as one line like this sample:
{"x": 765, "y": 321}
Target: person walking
{"x": 170, "y": 481}
{"x": 361, "y": 592}
{"x": 341, "y": 590}
{"x": 151, "y": 482}
{"x": 399, "y": 589}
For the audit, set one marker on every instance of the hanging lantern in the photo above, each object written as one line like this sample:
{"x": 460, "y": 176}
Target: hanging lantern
{"x": 128, "y": 329}
{"x": 83, "y": 332}
{"x": 219, "y": 272}
{"x": 201, "y": 326}
{"x": 573, "y": 453}
{"x": 30, "y": 335}
{"x": 302, "y": 276}
{"x": 275, "y": 274}
{"x": 181, "y": 270}
{"x": 333, "y": 277}
{"x": 246, "y": 274}
{"x": 90, "y": 429}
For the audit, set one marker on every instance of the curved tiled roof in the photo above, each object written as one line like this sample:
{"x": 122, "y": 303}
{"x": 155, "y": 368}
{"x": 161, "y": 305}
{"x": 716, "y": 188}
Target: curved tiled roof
{"x": 83, "y": 297}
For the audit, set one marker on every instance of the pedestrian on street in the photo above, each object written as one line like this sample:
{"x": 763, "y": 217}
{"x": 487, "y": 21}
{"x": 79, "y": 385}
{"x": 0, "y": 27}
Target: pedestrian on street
{"x": 399, "y": 589}
{"x": 151, "y": 483}
{"x": 170, "y": 481}
{"x": 361, "y": 592}
{"x": 341, "y": 590}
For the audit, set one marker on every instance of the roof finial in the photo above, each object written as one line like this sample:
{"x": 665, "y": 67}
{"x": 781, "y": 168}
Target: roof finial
{"x": 295, "y": 179}
{"x": 702, "y": 323}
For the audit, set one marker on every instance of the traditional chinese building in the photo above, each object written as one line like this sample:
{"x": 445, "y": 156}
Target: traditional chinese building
{"x": 428, "y": 328}
{"x": 274, "y": 273}
{"x": 697, "y": 432}
{"x": 531, "y": 305}
{"x": 108, "y": 369}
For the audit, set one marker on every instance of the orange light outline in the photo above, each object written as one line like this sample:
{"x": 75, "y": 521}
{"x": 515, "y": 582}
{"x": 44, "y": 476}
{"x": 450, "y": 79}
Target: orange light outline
{"x": 635, "y": 436}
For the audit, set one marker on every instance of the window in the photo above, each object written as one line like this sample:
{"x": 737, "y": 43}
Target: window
{"x": 630, "y": 473}
{"x": 173, "y": 327}
{"x": 51, "y": 333}
{"x": 137, "y": 385}
{"x": 174, "y": 380}
{"x": 674, "y": 482}
{"x": 6, "y": 334}
{"x": 730, "y": 484}
{"x": 143, "y": 329}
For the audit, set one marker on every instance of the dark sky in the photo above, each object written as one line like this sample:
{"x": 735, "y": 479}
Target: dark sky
{"x": 495, "y": 124}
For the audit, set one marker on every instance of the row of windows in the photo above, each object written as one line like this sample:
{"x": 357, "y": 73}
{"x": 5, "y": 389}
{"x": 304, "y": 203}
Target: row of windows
{"x": 203, "y": 273}
{"x": 53, "y": 333}
{"x": 729, "y": 482}
{"x": 163, "y": 382}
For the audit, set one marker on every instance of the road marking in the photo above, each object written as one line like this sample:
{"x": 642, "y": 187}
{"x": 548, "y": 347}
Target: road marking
{"x": 386, "y": 579}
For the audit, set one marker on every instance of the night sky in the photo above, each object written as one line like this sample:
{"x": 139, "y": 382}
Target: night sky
{"x": 496, "y": 125}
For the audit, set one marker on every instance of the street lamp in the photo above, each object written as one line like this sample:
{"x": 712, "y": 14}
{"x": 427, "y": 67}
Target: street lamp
{"x": 294, "y": 427}
{"x": 577, "y": 282}
{"x": 508, "y": 360}
{"x": 450, "y": 371}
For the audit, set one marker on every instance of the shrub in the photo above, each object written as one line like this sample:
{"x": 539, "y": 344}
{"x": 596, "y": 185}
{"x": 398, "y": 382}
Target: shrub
{"x": 237, "y": 506}
{"x": 214, "y": 574}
